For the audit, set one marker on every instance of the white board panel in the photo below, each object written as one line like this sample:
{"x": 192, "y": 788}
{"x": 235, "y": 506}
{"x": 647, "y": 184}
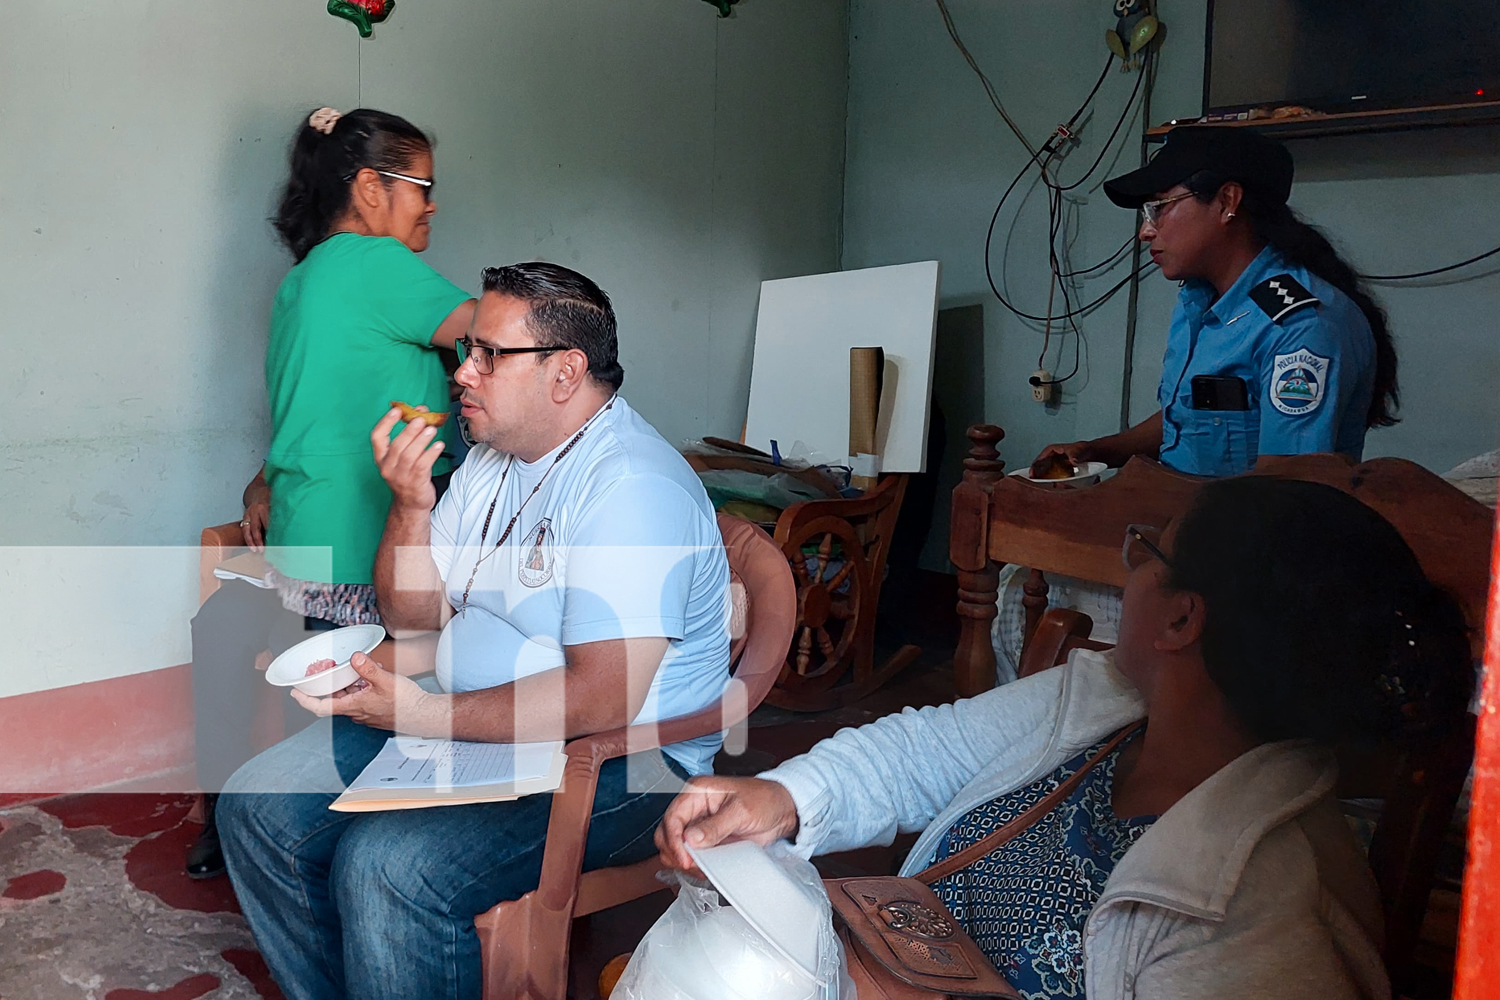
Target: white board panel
{"x": 799, "y": 383}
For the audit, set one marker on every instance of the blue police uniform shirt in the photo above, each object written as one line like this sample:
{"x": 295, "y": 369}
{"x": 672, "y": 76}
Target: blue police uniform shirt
{"x": 1304, "y": 351}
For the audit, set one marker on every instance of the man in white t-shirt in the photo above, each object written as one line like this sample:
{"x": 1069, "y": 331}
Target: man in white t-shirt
{"x": 577, "y": 575}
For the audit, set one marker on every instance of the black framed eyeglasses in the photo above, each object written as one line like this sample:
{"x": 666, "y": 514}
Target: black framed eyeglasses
{"x": 484, "y": 356}
{"x": 1142, "y": 543}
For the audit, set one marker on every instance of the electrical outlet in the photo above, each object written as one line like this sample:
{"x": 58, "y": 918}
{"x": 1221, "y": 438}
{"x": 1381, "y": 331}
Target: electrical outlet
{"x": 1042, "y": 389}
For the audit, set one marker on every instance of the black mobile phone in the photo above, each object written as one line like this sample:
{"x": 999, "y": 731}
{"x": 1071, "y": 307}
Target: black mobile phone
{"x": 1220, "y": 392}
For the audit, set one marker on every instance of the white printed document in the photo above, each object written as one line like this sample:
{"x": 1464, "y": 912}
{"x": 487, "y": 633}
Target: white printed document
{"x": 248, "y": 566}
{"x": 414, "y": 773}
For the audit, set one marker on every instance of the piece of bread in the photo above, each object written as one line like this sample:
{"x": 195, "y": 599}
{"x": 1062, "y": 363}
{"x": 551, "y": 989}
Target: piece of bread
{"x": 1054, "y": 466}
{"x": 610, "y": 977}
{"x": 410, "y": 413}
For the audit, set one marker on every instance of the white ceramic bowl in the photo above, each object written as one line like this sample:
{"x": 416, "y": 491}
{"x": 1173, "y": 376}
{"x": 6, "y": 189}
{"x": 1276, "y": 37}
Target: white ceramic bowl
{"x": 1088, "y": 474}
{"x": 290, "y": 668}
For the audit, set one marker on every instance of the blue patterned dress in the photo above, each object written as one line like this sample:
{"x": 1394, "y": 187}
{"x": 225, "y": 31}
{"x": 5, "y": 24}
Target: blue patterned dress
{"x": 1025, "y": 904}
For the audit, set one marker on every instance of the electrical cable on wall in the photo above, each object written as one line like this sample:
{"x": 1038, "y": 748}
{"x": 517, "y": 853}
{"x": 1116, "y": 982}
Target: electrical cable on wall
{"x": 1042, "y": 158}
{"x": 1052, "y": 189}
{"x": 1107, "y": 262}
{"x": 989, "y": 88}
{"x": 1437, "y": 270}
{"x": 1057, "y": 226}
{"x": 1055, "y": 209}
{"x": 1104, "y": 150}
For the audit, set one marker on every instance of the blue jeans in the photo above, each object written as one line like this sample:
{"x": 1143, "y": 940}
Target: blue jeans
{"x": 382, "y": 904}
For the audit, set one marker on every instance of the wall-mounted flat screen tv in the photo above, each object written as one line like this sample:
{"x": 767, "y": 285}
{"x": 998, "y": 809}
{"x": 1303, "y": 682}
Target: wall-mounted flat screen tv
{"x": 1349, "y": 55}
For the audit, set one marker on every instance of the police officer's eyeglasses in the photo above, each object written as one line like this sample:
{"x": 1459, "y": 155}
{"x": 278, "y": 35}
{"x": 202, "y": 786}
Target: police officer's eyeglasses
{"x": 1152, "y": 210}
{"x": 1142, "y": 544}
{"x": 484, "y": 356}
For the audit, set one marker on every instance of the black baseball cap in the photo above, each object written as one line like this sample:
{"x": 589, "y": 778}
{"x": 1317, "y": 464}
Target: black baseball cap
{"x": 1262, "y": 167}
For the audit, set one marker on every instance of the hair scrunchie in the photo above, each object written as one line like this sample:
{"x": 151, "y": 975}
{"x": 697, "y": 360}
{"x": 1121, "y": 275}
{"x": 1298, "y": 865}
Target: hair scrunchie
{"x": 324, "y": 119}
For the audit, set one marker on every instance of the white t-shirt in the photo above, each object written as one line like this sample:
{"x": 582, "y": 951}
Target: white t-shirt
{"x": 620, "y": 542}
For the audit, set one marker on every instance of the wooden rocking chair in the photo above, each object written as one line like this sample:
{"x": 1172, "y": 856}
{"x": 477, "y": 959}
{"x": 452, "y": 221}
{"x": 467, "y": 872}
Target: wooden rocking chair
{"x": 837, "y": 549}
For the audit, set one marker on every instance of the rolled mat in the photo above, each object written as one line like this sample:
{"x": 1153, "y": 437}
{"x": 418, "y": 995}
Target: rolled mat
{"x": 866, "y": 371}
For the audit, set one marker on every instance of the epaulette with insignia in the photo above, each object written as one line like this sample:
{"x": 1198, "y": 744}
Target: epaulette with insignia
{"x": 1281, "y": 295}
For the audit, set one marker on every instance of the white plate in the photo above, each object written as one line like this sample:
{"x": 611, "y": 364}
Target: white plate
{"x": 1088, "y": 474}
{"x": 767, "y": 897}
{"x": 290, "y": 668}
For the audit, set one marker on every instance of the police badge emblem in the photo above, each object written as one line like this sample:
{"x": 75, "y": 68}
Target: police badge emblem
{"x": 535, "y": 568}
{"x": 1297, "y": 382}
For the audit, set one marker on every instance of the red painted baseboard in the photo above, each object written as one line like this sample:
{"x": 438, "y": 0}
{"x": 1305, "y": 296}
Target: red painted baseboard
{"x": 88, "y": 736}
{"x": 124, "y": 734}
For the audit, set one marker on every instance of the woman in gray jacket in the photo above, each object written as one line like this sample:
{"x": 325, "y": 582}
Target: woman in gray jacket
{"x": 1205, "y": 855}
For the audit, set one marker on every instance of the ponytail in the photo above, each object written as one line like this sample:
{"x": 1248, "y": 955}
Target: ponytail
{"x": 1384, "y": 658}
{"x": 1305, "y": 246}
{"x": 1428, "y": 682}
{"x": 323, "y": 164}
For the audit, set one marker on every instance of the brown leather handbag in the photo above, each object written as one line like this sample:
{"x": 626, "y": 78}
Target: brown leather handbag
{"x": 900, "y": 941}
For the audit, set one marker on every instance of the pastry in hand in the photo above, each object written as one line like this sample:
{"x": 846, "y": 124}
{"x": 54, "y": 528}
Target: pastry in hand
{"x": 410, "y": 413}
{"x": 1053, "y": 466}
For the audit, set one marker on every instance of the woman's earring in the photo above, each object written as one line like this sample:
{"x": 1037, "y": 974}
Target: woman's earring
{"x": 1228, "y": 216}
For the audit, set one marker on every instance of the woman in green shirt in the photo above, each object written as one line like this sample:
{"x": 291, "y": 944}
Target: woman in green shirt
{"x": 355, "y": 325}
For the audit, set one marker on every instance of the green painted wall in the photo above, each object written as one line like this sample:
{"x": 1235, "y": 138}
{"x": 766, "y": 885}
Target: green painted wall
{"x": 928, "y": 158}
{"x": 677, "y": 158}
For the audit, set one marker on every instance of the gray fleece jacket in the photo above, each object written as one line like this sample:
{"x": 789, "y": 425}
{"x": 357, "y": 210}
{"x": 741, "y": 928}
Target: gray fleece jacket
{"x": 1250, "y": 886}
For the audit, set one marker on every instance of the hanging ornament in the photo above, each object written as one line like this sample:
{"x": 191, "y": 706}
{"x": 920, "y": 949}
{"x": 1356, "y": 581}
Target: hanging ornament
{"x": 1135, "y": 27}
{"x": 723, "y": 5}
{"x": 364, "y": 13}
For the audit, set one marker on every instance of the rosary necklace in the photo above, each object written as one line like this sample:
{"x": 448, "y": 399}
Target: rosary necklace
{"x": 484, "y": 532}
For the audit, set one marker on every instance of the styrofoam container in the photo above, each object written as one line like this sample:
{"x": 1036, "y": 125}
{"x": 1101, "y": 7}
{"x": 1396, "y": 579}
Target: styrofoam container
{"x": 767, "y": 897}
{"x": 722, "y": 962}
{"x": 290, "y": 668}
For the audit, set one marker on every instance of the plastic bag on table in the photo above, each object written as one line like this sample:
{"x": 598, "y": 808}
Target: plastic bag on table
{"x": 778, "y": 490}
{"x": 702, "y": 949}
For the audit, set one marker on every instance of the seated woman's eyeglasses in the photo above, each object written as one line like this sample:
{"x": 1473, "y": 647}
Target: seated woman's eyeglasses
{"x": 484, "y": 356}
{"x": 1142, "y": 544}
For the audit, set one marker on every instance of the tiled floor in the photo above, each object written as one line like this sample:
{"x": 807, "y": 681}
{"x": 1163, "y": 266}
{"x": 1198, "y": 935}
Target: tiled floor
{"x": 94, "y": 904}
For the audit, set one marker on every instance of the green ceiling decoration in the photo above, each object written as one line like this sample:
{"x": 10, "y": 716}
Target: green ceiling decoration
{"x": 723, "y": 5}
{"x": 365, "y": 14}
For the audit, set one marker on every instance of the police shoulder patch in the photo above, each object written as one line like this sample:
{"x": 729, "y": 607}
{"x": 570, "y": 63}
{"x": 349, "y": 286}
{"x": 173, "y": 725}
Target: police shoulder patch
{"x": 1297, "y": 382}
{"x": 1281, "y": 296}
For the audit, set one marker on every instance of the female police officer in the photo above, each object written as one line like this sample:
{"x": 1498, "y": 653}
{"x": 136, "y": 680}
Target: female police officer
{"x": 1275, "y": 347}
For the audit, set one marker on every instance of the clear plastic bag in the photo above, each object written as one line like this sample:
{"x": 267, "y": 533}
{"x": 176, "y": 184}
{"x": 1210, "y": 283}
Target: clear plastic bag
{"x": 702, "y": 949}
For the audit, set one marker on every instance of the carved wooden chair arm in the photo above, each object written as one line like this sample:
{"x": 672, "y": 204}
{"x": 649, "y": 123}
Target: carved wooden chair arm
{"x": 214, "y": 546}
{"x": 885, "y": 493}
